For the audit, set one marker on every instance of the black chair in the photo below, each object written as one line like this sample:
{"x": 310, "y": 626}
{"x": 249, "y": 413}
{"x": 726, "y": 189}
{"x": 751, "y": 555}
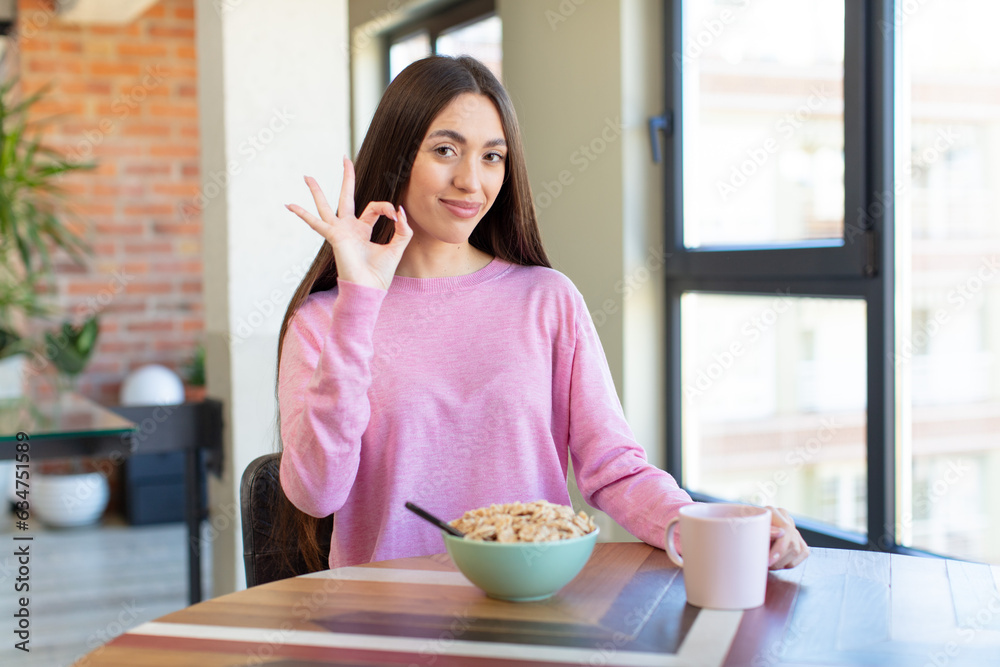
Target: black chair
{"x": 261, "y": 498}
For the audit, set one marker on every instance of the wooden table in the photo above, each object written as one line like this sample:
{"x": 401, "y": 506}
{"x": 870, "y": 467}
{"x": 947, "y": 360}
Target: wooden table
{"x": 627, "y": 607}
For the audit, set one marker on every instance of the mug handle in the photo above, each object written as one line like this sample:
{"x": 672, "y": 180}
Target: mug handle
{"x": 671, "y": 549}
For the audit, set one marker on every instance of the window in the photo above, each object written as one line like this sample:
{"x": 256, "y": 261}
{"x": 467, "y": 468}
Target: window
{"x": 832, "y": 184}
{"x": 948, "y": 166}
{"x": 766, "y": 103}
{"x": 468, "y": 28}
{"x": 760, "y": 420}
{"x": 776, "y": 339}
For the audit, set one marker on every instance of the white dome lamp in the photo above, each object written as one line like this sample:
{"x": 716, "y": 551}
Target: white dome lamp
{"x": 152, "y": 385}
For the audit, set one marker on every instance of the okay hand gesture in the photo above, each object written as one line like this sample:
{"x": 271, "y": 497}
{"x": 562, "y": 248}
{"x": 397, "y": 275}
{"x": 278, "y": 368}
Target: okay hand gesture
{"x": 359, "y": 259}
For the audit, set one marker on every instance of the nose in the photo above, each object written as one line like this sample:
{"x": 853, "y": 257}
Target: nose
{"x": 467, "y": 175}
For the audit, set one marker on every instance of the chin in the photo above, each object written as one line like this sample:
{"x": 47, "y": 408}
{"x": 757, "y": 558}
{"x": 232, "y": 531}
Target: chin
{"x": 455, "y": 236}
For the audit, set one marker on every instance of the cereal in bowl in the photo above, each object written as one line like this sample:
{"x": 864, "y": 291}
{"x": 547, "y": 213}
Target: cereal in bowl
{"x": 537, "y": 521}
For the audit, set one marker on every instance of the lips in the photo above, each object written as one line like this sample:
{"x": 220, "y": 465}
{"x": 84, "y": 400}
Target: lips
{"x": 462, "y": 209}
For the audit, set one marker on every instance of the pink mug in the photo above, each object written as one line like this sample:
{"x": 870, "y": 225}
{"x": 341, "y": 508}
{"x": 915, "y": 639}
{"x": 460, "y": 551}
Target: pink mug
{"x": 725, "y": 553}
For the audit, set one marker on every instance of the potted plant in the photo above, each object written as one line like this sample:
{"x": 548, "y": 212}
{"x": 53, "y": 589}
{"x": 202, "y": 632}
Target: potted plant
{"x": 67, "y": 494}
{"x": 70, "y": 348}
{"x": 194, "y": 377}
{"x": 32, "y": 226}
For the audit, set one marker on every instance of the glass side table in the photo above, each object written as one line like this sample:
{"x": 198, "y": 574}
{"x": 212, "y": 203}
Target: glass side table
{"x": 71, "y": 426}
{"x": 65, "y": 426}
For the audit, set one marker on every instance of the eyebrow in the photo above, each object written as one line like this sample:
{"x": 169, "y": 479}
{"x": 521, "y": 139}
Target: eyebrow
{"x": 458, "y": 138}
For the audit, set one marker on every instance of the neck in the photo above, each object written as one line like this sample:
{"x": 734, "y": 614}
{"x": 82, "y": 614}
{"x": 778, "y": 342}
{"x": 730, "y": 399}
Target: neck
{"x": 441, "y": 261}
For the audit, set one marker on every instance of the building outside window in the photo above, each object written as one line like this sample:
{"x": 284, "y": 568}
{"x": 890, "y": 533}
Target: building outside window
{"x": 774, "y": 369}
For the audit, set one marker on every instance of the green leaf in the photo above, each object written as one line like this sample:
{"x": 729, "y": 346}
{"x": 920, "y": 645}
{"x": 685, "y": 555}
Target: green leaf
{"x": 72, "y": 347}
{"x": 88, "y": 336}
{"x": 33, "y": 215}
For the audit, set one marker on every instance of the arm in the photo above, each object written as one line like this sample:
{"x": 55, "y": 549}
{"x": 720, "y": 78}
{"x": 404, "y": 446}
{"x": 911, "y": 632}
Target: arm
{"x": 324, "y": 372}
{"x": 611, "y": 467}
{"x": 323, "y": 380}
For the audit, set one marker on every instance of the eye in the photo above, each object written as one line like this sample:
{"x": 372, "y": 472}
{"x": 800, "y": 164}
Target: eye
{"x": 495, "y": 157}
{"x": 444, "y": 151}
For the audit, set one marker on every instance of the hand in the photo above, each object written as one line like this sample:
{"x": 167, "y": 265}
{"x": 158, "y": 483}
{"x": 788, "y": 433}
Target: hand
{"x": 359, "y": 259}
{"x": 788, "y": 549}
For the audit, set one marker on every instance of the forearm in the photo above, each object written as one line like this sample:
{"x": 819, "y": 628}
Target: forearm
{"x": 642, "y": 503}
{"x": 323, "y": 400}
{"x": 612, "y": 470}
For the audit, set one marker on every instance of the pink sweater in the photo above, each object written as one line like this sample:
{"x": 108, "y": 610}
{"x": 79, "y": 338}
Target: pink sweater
{"x": 454, "y": 393}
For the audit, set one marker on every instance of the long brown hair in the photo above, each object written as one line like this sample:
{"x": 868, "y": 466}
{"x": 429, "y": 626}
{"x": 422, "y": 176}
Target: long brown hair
{"x": 509, "y": 230}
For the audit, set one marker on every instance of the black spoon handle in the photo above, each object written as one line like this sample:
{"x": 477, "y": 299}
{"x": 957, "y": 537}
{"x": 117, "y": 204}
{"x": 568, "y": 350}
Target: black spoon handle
{"x": 427, "y": 516}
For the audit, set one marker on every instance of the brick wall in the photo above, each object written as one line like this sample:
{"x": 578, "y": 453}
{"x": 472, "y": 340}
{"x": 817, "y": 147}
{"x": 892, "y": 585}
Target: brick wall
{"x": 127, "y": 96}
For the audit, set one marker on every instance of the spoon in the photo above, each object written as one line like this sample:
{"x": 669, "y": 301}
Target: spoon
{"x": 427, "y": 516}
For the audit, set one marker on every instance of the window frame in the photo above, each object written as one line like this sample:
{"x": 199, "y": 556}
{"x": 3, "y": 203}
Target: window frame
{"x": 860, "y": 265}
{"x": 436, "y": 21}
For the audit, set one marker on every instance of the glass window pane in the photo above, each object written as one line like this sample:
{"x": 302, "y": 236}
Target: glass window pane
{"x": 481, "y": 39}
{"x": 774, "y": 403}
{"x": 948, "y": 351}
{"x": 406, "y": 51}
{"x": 763, "y": 132}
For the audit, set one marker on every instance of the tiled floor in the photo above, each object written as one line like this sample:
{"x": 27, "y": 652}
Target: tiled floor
{"x": 89, "y": 585}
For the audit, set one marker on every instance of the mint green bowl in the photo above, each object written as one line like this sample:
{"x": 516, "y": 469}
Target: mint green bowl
{"x": 520, "y": 571}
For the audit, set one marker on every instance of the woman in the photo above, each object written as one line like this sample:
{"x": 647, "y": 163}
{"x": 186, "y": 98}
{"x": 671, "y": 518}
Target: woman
{"x": 431, "y": 353}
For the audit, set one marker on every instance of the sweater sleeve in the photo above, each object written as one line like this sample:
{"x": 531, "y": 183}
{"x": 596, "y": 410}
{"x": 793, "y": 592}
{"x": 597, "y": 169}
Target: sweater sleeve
{"x": 323, "y": 379}
{"x": 611, "y": 468}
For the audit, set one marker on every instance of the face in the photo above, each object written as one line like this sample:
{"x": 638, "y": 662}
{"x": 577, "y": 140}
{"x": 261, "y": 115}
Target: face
{"x": 457, "y": 173}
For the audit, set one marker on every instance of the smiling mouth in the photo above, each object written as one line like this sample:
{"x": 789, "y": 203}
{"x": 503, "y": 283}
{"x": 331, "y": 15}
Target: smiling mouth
{"x": 460, "y": 208}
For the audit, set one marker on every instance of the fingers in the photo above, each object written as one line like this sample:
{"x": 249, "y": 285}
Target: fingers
{"x": 801, "y": 554}
{"x": 788, "y": 548}
{"x": 375, "y": 209}
{"x": 780, "y": 518}
{"x": 346, "y": 206}
{"x": 322, "y": 205}
{"x": 788, "y": 552}
{"x": 403, "y": 231}
{"x": 316, "y": 223}
{"x": 779, "y": 554}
